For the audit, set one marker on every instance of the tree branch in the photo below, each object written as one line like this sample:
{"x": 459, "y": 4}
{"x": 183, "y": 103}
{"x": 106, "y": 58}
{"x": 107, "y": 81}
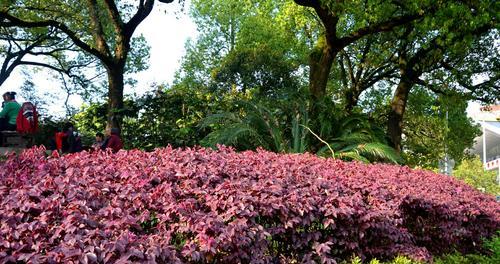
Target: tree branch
{"x": 378, "y": 27}
{"x": 14, "y": 21}
{"x": 361, "y": 66}
{"x": 143, "y": 11}
{"x": 97, "y": 29}
{"x": 115, "y": 15}
{"x": 307, "y": 3}
{"x": 343, "y": 75}
{"x": 350, "y": 69}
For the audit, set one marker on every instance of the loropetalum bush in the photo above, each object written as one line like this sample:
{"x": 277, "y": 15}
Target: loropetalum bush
{"x": 207, "y": 206}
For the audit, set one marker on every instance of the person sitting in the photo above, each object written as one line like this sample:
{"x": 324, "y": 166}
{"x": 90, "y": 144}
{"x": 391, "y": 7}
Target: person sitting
{"x": 114, "y": 142}
{"x": 8, "y": 115}
{"x": 99, "y": 140}
{"x": 72, "y": 142}
{"x": 56, "y": 142}
{"x": 9, "y": 112}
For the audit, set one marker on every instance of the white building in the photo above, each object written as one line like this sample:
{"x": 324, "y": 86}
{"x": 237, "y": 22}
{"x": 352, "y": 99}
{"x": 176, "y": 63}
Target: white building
{"x": 487, "y": 146}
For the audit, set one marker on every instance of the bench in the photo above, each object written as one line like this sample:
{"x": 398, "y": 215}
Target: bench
{"x": 16, "y": 140}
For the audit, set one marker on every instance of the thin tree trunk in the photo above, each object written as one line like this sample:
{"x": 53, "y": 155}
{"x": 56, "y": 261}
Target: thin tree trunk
{"x": 3, "y": 78}
{"x": 352, "y": 98}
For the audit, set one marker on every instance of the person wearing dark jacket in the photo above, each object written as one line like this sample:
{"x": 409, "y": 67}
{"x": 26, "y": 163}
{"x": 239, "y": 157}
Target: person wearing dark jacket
{"x": 114, "y": 142}
{"x": 72, "y": 142}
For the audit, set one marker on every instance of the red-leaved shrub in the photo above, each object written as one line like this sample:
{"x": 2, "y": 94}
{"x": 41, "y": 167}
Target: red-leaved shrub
{"x": 201, "y": 205}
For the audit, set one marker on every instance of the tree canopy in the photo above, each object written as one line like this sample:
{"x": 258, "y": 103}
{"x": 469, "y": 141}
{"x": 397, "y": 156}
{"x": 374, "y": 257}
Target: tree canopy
{"x": 349, "y": 77}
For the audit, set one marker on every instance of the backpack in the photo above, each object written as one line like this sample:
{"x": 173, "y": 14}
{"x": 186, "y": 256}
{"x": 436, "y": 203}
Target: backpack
{"x": 27, "y": 119}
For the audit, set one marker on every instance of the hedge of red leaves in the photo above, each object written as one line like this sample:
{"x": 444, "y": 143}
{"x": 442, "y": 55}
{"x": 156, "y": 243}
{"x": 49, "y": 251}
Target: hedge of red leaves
{"x": 201, "y": 205}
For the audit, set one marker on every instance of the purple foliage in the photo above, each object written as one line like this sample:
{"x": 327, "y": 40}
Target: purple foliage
{"x": 201, "y": 205}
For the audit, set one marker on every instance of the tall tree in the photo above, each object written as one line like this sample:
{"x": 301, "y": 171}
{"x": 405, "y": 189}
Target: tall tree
{"x": 422, "y": 52}
{"x": 102, "y": 28}
{"x": 43, "y": 47}
{"x": 436, "y": 125}
{"x": 362, "y": 65}
{"x": 245, "y": 45}
{"x": 346, "y": 22}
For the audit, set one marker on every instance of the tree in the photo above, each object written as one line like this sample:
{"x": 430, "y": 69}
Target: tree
{"x": 422, "y": 51}
{"x": 245, "y": 46}
{"x": 41, "y": 47}
{"x": 347, "y": 22}
{"x": 102, "y": 28}
{"x": 434, "y": 126}
{"x": 362, "y": 65}
{"x": 472, "y": 172}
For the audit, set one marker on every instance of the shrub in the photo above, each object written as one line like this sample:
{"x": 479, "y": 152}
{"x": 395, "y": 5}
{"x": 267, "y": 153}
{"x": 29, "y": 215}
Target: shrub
{"x": 492, "y": 248}
{"x": 202, "y": 205}
{"x": 472, "y": 172}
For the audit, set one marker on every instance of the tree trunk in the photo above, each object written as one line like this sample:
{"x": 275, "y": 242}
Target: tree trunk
{"x": 320, "y": 63}
{"x": 398, "y": 106}
{"x": 352, "y": 98}
{"x": 115, "y": 96}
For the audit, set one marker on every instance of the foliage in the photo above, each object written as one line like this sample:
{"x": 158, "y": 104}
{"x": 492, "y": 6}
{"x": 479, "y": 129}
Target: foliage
{"x": 287, "y": 130}
{"x": 397, "y": 260}
{"x": 40, "y": 47}
{"x": 472, "y": 172}
{"x": 102, "y": 30}
{"x": 435, "y": 126}
{"x": 249, "y": 128}
{"x": 244, "y": 45}
{"x": 492, "y": 256}
{"x": 157, "y": 119}
{"x": 47, "y": 130}
{"x": 493, "y": 249}
{"x": 356, "y": 138}
{"x": 172, "y": 117}
{"x": 201, "y": 205}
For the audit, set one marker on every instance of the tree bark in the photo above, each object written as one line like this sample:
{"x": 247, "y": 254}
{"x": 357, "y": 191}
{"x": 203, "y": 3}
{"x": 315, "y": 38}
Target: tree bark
{"x": 398, "y": 107}
{"x": 352, "y": 98}
{"x": 322, "y": 57}
{"x": 320, "y": 64}
{"x": 115, "y": 96}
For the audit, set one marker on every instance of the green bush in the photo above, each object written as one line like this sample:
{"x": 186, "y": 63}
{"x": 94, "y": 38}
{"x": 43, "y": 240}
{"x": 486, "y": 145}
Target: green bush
{"x": 471, "y": 171}
{"x": 492, "y": 256}
{"x": 492, "y": 248}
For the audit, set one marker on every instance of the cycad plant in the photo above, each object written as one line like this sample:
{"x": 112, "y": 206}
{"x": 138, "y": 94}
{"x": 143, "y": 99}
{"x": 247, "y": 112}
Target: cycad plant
{"x": 355, "y": 138}
{"x": 255, "y": 125}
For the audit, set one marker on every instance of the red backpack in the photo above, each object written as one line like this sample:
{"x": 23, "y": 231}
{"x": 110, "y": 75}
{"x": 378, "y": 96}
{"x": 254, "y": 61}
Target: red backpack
{"x": 27, "y": 119}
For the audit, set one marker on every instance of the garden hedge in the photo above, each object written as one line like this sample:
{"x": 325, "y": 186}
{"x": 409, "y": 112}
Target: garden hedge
{"x": 221, "y": 206}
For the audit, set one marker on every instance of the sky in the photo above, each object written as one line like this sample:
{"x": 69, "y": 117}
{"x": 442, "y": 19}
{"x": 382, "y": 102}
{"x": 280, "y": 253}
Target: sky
{"x": 166, "y": 29}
